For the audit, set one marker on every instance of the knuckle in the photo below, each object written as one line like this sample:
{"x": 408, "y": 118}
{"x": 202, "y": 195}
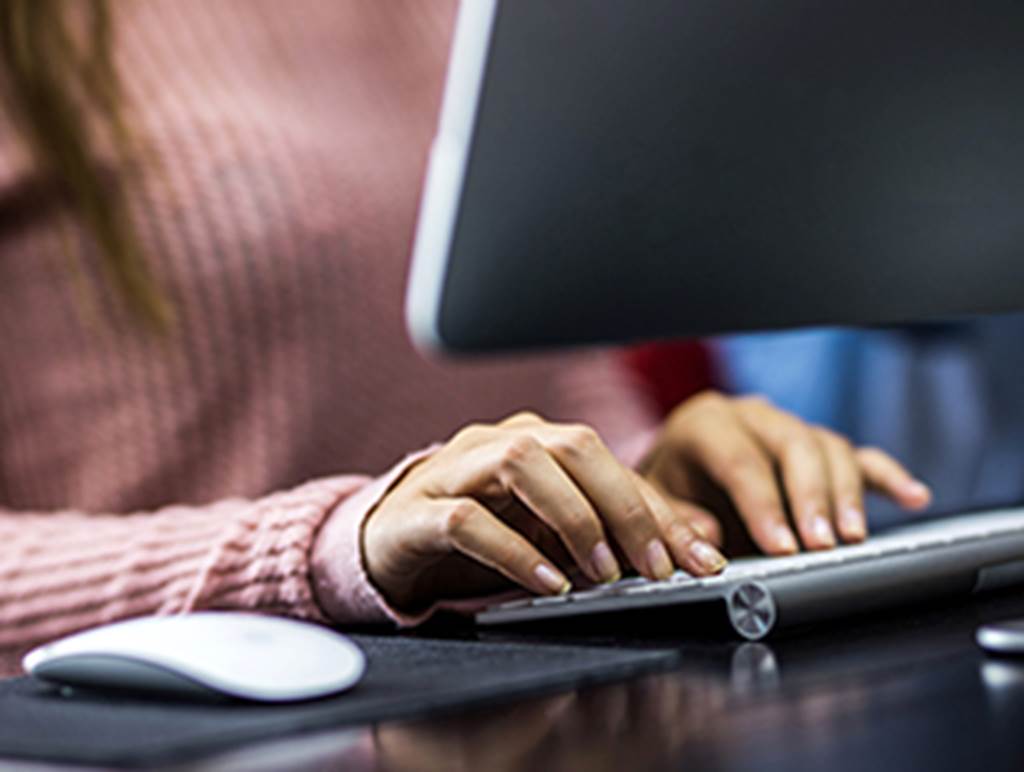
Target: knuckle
{"x": 472, "y": 433}
{"x": 708, "y": 399}
{"x": 769, "y": 511}
{"x": 636, "y": 519}
{"x": 517, "y": 452}
{"x": 681, "y": 533}
{"x": 851, "y": 495}
{"x": 797, "y": 445}
{"x": 756, "y": 402}
{"x": 846, "y": 479}
{"x": 578, "y": 440}
{"x": 741, "y": 465}
{"x": 577, "y": 524}
{"x": 524, "y": 417}
{"x": 507, "y": 554}
{"x": 814, "y": 496}
{"x": 458, "y": 518}
{"x": 842, "y": 446}
{"x": 712, "y": 530}
{"x": 834, "y": 439}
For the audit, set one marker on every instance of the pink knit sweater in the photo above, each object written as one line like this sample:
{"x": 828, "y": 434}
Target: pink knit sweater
{"x": 276, "y": 196}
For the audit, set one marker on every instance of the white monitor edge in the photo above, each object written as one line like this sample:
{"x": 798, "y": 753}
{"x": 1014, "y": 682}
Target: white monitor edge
{"x": 446, "y": 171}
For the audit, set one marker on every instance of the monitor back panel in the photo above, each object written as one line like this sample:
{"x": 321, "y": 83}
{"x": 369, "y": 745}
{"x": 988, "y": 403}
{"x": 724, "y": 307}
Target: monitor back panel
{"x": 669, "y": 168}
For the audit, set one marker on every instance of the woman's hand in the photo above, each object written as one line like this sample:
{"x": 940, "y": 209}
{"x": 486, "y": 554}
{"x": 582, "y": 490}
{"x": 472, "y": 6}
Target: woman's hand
{"x": 526, "y": 500}
{"x": 768, "y": 472}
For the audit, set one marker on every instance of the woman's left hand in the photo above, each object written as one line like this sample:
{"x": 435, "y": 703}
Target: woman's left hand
{"x": 769, "y": 477}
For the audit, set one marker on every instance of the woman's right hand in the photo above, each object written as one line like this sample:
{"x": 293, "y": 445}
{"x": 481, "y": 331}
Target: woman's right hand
{"x": 522, "y": 503}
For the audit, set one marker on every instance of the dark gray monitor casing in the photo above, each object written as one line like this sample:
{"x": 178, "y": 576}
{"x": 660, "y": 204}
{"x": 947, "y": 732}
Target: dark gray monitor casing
{"x": 608, "y": 170}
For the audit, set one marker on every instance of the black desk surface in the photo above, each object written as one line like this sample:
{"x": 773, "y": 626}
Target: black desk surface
{"x": 903, "y": 691}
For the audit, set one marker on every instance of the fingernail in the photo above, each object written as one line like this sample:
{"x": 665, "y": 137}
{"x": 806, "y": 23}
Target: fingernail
{"x": 822, "y": 531}
{"x": 707, "y": 556}
{"x": 552, "y": 580}
{"x": 605, "y": 565}
{"x": 658, "y": 561}
{"x": 852, "y": 522}
{"x": 784, "y": 539}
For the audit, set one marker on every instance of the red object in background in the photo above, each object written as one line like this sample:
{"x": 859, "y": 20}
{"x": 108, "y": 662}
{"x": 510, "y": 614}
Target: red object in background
{"x": 672, "y": 370}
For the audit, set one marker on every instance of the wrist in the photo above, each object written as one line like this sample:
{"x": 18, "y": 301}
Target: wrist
{"x": 337, "y": 568}
{"x": 397, "y": 587}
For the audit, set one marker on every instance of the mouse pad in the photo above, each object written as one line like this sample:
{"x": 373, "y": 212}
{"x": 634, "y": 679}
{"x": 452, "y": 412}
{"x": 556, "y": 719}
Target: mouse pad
{"x": 407, "y": 677}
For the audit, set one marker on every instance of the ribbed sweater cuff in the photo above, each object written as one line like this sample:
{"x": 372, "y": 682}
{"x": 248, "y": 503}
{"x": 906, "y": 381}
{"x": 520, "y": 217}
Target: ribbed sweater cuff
{"x": 346, "y": 593}
{"x": 262, "y": 561}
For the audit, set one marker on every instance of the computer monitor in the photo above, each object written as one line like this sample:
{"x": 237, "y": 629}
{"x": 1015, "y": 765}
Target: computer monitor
{"x": 608, "y": 170}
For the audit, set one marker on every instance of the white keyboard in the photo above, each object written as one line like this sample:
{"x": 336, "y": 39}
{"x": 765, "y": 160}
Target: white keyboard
{"x": 974, "y": 552}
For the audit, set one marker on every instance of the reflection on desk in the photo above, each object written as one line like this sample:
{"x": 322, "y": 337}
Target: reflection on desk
{"x": 900, "y": 692}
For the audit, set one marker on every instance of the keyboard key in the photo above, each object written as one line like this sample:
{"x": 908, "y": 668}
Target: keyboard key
{"x": 550, "y": 600}
{"x": 602, "y": 591}
{"x": 645, "y": 589}
{"x": 711, "y": 582}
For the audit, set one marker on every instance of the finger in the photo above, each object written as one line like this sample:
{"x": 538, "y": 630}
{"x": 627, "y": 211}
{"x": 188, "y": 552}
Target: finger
{"x": 724, "y": 448}
{"x": 802, "y": 463}
{"x": 519, "y": 518}
{"x": 544, "y": 487}
{"x": 888, "y": 476}
{"x": 610, "y": 488}
{"x": 469, "y": 528}
{"x": 704, "y": 524}
{"x": 690, "y": 549}
{"x": 495, "y": 463}
{"x": 701, "y": 521}
{"x": 847, "y": 486}
{"x": 521, "y": 419}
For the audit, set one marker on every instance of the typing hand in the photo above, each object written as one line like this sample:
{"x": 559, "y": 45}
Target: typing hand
{"x": 526, "y": 500}
{"x": 766, "y": 474}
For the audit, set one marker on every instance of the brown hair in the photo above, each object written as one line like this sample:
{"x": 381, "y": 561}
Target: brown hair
{"x": 64, "y": 94}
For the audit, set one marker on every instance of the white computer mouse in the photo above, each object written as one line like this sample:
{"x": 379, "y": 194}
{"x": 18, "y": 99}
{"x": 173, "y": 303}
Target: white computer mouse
{"x": 270, "y": 659}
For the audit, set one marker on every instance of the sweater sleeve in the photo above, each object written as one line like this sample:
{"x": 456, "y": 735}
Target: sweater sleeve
{"x": 65, "y": 571}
